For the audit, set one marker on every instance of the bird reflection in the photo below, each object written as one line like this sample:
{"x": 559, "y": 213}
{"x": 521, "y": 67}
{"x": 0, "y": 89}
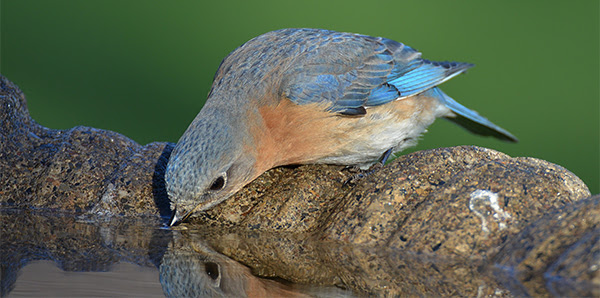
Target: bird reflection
{"x": 190, "y": 268}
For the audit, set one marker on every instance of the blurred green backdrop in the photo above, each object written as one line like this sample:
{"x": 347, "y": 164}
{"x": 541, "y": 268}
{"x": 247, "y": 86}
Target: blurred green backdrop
{"x": 143, "y": 68}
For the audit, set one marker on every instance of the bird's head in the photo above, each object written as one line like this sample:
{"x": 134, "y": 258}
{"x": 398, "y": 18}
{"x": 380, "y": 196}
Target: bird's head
{"x": 207, "y": 166}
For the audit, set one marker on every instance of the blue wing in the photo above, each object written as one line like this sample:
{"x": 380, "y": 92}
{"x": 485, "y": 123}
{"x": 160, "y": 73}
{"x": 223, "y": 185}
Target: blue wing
{"x": 354, "y": 71}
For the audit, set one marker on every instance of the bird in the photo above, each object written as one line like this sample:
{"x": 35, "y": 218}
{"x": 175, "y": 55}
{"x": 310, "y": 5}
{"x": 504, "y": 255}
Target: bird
{"x": 309, "y": 96}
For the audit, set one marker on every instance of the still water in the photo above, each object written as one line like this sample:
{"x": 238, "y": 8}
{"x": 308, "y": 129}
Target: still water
{"x": 44, "y": 278}
{"x": 50, "y": 254}
{"x": 64, "y": 255}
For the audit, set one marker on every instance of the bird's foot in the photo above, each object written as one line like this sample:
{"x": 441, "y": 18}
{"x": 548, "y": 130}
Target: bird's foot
{"x": 360, "y": 174}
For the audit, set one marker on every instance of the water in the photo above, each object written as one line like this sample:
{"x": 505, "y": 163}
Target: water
{"x": 55, "y": 254}
{"x": 65, "y": 255}
{"x": 43, "y": 278}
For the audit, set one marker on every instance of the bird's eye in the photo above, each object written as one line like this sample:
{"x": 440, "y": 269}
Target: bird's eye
{"x": 212, "y": 270}
{"x": 218, "y": 184}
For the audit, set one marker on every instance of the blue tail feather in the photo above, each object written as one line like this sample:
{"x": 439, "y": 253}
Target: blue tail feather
{"x": 470, "y": 119}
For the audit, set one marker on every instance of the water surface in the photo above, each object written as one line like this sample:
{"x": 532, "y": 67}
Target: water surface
{"x": 57, "y": 254}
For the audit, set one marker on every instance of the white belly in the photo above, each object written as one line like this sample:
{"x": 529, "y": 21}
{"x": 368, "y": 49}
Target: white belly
{"x": 396, "y": 125}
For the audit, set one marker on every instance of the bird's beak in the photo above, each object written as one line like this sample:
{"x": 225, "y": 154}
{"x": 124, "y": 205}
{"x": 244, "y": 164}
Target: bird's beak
{"x": 174, "y": 219}
{"x": 177, "y": 218}
{"x": 180, "y": 216}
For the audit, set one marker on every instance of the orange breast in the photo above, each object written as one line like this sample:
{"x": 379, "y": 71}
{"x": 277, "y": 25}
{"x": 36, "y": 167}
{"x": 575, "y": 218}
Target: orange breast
{"x": 288, "y": 133}
{"x": 293, "y": 134}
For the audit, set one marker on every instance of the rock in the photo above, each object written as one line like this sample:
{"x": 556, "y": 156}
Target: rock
{"x": 88, "y": 170}
{"x": 463, "y": 200}
{"x": 80, "y": 170}
{"x": 283, "y": 199}
{"x": 554, "y": 255}
{"x": 189, "y": 257}
{"x": 449, "y": 221}
{"x": 563, "y": 247}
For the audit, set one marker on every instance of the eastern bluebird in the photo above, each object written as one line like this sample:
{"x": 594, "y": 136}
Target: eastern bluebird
{"x": 298, "y": 96}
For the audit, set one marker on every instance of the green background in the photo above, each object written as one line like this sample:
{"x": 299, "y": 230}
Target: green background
{"x": 143, "y": 68}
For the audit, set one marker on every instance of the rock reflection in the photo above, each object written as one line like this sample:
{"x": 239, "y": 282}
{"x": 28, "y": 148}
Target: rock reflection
{"x": 190, "y": 268}
{"x": 77, "y": 243}
{"x": 214, "y": 262}
{"x": 365, "y": 270}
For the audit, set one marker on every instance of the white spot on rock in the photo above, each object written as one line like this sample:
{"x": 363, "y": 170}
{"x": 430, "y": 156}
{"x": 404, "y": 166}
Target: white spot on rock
{"x": 484, "y": 204}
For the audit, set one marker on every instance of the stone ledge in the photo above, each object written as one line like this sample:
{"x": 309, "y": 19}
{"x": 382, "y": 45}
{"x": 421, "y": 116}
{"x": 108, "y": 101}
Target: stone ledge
{"x": 527, "y": 216}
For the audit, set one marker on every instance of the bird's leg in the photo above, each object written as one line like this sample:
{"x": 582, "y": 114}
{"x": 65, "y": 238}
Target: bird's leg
{"x": 364, "y": 173}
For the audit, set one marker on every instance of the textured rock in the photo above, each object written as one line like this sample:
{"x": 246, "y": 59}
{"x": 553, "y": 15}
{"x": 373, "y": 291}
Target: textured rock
{"x": 81, "y": 169}
{"x": 563, "y": 247}
{"x": 464, "y": 201}
{"x": 450, "y": 221}
{"x": 460, "y": 200}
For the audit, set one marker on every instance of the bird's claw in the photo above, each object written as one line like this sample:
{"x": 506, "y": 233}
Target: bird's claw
{"x": 362, "y": 173}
